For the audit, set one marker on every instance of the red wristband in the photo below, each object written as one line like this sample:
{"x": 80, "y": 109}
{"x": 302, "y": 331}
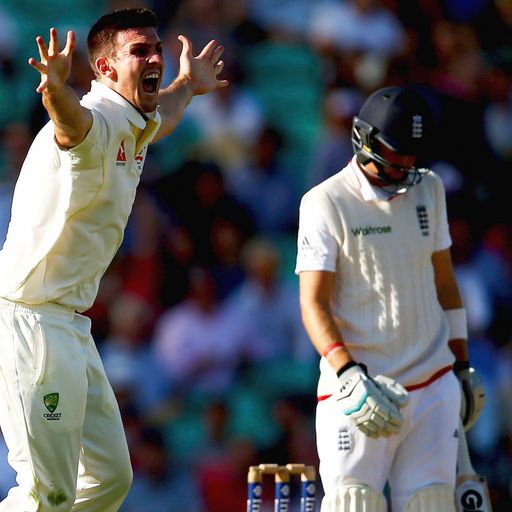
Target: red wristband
{"x": 332, "y": 346}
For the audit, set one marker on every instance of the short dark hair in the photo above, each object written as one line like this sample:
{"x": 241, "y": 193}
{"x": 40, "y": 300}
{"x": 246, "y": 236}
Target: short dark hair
{"x": 102, "y": 35}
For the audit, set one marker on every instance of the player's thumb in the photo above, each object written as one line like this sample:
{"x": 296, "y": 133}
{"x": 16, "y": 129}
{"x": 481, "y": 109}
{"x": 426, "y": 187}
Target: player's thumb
{"x": 186, "y": 50}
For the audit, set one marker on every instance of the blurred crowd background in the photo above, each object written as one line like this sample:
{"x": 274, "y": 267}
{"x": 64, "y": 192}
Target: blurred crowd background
{"x": 198, "y": 319}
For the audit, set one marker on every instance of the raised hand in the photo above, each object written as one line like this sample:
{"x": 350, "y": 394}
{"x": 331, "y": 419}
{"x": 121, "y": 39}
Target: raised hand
{"x": 204, "y": 69}
{"x": 54, "y": 66}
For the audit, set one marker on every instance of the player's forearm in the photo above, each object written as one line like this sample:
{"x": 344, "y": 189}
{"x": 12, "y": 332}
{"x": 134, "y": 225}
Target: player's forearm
{"x": 324, "y": 333}
{"x": 173, "y": 100}
{"x": 448, "y": 293}
{"x": 459, "y": 347}
{"x": 450, "y": 299}
{"x": 71, "y": 120}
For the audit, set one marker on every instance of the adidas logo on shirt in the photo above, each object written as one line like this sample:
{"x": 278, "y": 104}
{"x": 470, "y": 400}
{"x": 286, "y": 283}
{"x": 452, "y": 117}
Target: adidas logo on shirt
{"x": 305, "y": 245}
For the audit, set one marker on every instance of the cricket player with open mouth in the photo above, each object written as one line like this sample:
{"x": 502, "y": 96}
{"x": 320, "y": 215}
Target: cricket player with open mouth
{"x": 380, "y": 303}
{"x": 71, "y": 204}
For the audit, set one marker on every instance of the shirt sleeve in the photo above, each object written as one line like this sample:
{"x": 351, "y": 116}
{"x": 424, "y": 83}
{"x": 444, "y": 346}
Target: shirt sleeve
{"x": 94, "y": 144}
{"x": 317, "y": 249}
{"x": 442, "y": 238}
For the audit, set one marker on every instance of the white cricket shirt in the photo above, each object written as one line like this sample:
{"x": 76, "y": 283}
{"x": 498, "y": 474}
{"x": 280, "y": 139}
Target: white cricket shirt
{"x": 385, "y": 299}
{"x": 70, "y": 207}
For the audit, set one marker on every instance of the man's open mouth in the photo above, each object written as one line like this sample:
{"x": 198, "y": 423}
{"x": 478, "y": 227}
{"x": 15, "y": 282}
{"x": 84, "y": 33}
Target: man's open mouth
{"x": 150, "y": 83}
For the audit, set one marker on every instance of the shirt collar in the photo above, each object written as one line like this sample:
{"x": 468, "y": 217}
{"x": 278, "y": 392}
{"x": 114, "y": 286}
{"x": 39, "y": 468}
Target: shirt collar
{"x": 133, "y": 115}
{"x": 369, "y": 192}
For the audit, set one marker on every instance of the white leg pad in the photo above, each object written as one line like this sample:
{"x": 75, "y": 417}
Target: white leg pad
{"x": 438, "y": 497}
{"x": 354, "y": 498}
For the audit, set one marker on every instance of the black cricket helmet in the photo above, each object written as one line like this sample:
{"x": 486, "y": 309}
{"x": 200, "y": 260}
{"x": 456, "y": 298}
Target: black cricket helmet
{"x": 401, "y": 119}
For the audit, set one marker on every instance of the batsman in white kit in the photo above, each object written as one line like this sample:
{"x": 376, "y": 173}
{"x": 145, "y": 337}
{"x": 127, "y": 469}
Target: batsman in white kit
{"x": 71, "y": 204}
{"x": 381, "y": 305}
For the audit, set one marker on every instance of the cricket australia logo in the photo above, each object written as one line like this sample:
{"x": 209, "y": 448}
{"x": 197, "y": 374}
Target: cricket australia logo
{"x": 421, "y": 213}
{"x": 51, "y": 402}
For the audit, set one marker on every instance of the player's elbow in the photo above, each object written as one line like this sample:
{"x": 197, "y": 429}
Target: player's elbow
{"x": 70, "y": 134}
{"x": 117, "y": 483}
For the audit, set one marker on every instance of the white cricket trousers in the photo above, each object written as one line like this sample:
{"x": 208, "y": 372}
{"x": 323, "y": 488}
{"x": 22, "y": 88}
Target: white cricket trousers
{"x": 423, "y": 453}
{"x": 58, "y": 414}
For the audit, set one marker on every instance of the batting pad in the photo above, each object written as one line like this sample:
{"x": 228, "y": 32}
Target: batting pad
{"x": 349, "y": 498}
{"x": 438, "y": 497}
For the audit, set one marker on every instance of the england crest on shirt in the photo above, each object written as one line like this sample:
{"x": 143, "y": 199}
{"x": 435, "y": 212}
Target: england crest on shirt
{"x": 423, "y": 222}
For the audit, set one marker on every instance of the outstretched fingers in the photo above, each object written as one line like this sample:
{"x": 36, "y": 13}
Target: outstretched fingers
{"x": 213, "y": 51}
{"x": 186, "y": 50}
{"x": 43, "y": 84}
{"x": 53, "y": 46}
{"x": 54, "y": 66}
{"x": 216, "y": 53}
{"x": 43, "y": 50}
{"x": 70, "y": 43}
{"x": 43, "y": 69}
{"x": 218, "y": 68}
{"x": 37, "y": 65}
{"x": 209, "y": 50}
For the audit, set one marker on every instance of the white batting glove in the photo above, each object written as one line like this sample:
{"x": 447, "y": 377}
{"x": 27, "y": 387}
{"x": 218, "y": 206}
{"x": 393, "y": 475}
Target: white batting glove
{"x": 367, "y": 405}
{"x": 393, "y": 390}
{"x": 398, "y": 395}
{"x": 472, "y": 393}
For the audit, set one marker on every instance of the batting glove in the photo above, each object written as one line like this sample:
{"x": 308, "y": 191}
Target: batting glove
{"x": 472, "y": 393}
{"x": 369, "y": 407}
{"x": 398, "y": 395}
{"x": 393, "y": 390}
